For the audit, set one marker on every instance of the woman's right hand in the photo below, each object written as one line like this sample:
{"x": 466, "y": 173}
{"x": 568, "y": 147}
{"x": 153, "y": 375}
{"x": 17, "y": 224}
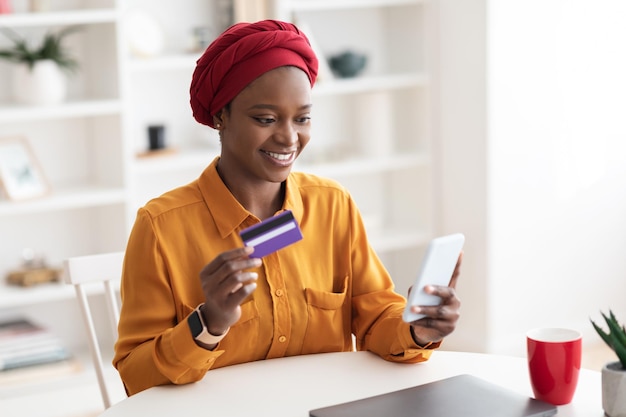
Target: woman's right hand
{"x": 225, "y": 284}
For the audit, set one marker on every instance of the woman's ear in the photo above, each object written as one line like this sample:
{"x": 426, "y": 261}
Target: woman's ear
{"x": 221, "y": 117}
{"x": 217, "y": 121}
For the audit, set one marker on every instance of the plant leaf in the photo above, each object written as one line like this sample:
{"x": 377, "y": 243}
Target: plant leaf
{"x": 617, "y": 332}
{"x": 605, "y": 337}
{"x": 615, "y": 338}
{"x": 50, "y": 48}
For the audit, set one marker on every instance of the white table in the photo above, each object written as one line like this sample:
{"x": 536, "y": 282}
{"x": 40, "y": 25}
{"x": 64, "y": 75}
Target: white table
{"x": 293, "y": 386}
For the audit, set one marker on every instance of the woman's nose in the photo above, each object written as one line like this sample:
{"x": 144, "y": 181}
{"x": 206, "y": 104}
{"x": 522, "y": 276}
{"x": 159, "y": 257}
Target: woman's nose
{"x": 288, "y": 134}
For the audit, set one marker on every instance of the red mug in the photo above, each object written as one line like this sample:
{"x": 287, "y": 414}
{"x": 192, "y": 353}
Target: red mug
{"x": 554, "y": 356}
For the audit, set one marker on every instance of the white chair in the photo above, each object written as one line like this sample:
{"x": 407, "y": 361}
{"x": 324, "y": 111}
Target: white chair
{"x": 106, "y": 269}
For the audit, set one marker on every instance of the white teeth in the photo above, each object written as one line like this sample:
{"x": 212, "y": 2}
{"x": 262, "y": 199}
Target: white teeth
{"x": 280, "y": 156}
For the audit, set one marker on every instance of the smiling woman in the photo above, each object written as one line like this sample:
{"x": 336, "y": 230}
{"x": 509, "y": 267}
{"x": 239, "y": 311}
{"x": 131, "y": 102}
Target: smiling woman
{"x": 195, "y": 298}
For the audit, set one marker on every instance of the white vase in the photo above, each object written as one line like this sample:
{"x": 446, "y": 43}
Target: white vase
{"x": 44, "y": 84}
{"x": 614, "y": 389}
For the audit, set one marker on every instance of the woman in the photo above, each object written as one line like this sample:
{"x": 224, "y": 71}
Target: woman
{"x": 193, "y": 298}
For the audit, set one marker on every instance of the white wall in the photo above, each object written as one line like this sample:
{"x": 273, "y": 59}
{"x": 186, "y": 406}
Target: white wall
{"x": 533, "y": 99}
{"x": 460, "y": 132}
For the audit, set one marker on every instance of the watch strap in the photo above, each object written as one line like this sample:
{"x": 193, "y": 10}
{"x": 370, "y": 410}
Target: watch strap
{"x": 203, "y": 335}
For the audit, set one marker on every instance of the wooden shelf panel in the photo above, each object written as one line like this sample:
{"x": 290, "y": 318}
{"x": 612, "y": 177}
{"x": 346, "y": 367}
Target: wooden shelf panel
{"x": 184, "y": 159}
{"x": 165, "y": 62}
{"x": 365, "y": 165}
{"x": 329, "y": 5}
{"x": 393, "y": 240}
{"x": 70, "y": 17}
{"x": 11, "y": 113}
{"x": 65, "y": 199}
{"x": 12, "y": 296}
{"x": 369, "y": 83}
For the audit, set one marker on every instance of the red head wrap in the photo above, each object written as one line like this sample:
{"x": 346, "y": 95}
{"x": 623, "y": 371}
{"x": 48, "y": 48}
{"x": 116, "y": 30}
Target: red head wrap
{"x": 240, "y": 55}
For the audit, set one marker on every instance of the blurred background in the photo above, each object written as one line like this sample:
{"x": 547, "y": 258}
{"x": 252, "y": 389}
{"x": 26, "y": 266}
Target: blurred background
{"x": 503, "y": 120}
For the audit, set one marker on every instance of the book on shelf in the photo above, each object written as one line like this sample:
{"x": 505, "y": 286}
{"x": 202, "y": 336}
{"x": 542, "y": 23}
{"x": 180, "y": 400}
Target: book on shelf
{"x": 27, "y": 349}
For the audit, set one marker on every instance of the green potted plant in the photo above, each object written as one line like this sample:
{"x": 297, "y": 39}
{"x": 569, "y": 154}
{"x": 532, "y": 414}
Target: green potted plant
{"x": 614, "y": 373}
{"x": 40, "y": 73}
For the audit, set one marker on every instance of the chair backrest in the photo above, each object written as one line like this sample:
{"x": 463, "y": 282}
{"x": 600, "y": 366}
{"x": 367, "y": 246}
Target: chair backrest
{"x": 105, "y": 268}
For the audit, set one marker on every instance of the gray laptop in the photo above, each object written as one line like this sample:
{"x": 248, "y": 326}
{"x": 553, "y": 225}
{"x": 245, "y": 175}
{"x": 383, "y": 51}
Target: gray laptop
{"x": 458, "y": 396}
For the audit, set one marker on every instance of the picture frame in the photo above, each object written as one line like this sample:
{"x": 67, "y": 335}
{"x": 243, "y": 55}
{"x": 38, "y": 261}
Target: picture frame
{"x": 21, "y": 176}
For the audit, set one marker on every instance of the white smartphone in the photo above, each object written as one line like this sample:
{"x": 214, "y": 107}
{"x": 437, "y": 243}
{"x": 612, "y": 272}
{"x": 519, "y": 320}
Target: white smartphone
{"x": 437, "y": 267}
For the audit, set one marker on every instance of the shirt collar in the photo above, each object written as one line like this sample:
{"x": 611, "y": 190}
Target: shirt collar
{"x": 227, "y": 212}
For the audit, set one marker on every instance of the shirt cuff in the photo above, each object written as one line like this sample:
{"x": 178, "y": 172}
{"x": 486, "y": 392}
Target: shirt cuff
{"x": 188, "y": 352}
{"x": 430, "y": 345}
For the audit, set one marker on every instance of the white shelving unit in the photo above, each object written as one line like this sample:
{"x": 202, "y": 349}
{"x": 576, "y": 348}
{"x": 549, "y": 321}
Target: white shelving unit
{"x": 371, "y": 132}
{"x": 81, "y": 147}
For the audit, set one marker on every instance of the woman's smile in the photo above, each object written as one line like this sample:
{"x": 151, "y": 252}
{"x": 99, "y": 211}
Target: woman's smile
{"x": 282, "y": 159}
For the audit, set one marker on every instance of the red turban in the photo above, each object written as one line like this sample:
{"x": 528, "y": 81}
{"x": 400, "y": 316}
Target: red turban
{"x": 240, "y": 55}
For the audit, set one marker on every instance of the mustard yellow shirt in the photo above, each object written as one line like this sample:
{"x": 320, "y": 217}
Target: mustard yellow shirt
{"x": 310, "y": 297}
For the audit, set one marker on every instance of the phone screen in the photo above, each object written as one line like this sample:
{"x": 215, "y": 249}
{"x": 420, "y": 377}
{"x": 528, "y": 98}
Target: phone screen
{"x": 437, "y": 267}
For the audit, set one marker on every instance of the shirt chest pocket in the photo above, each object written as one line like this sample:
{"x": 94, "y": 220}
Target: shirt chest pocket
{"x": 328, "y": 325}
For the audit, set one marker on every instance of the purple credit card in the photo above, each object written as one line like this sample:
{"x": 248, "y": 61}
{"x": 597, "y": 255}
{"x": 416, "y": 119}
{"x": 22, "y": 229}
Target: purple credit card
{"x": 272, "y": 234}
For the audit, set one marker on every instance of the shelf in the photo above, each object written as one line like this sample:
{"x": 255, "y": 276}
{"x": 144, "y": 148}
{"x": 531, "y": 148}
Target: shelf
{"x": 329, "y": 5}
{"x": 73, "y": 17}
{"x": 65, "y": 199}
{"x": 394, "y": 240}
{"x": 369, "y": 83}
{"x": 183, "y": 160}
{"x": 365, "y": 165}
{"x": 11, "y": 113}
{"x": 174, "y": 61}
{"x": 14, "y": 296}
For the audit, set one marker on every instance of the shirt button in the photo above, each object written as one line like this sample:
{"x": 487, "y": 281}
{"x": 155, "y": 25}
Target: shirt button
{"x": 279, "y": 293}
{"x": 282, "y": 339}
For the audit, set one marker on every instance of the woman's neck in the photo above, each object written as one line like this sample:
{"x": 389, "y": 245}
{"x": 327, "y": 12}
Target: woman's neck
{"x": 262, "y": 199}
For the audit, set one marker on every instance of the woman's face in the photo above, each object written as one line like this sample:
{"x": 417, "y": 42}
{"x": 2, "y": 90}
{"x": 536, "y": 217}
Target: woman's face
{"x": 266, "y": 127}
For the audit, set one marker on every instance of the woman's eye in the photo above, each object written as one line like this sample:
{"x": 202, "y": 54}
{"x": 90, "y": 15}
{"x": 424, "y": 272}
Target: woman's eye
{"x": 304, "y": 119}
{"x": 265, "y": 120}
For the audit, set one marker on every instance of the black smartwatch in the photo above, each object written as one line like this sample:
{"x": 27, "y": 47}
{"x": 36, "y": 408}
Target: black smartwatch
{"x": 199, "y": 330}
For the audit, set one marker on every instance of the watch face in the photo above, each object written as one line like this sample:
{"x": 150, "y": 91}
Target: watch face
{"x": 195, "y": 324}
